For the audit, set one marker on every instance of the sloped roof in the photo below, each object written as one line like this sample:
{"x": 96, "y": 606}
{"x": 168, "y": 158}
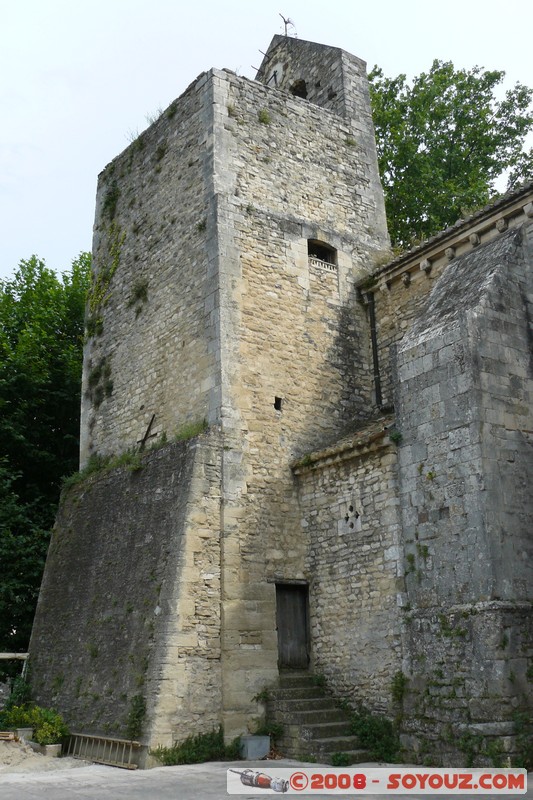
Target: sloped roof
{"x": 356, "y": 444}
{"x": 464, "y": 282}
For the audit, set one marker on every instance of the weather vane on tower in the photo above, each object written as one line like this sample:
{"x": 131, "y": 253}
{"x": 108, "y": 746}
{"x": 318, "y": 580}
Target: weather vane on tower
{"x": 290, "y": 29}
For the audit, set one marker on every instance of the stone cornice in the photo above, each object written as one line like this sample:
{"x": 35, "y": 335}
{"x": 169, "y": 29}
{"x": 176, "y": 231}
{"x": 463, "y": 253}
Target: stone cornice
{"x": 372, "y": 437}
{"x": 510, "y": 211}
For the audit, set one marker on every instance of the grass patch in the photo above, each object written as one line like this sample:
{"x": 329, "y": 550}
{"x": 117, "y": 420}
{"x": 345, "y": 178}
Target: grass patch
{"x": 101, "y": 464}
{"x": 94, "y": 326}
{"x": 161, "y": 150}
{"x": 190, "y": 430}
{"x": 399, "y": 687}
{"x": 133, "y": 460}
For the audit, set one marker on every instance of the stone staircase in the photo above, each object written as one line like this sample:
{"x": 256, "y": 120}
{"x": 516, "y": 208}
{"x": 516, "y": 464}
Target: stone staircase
{"x": 313, "y": 726}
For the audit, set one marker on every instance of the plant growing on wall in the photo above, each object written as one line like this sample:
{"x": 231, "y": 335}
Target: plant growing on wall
{"x": 109, "y": 205}
{"x": 99, "y": 291}
{"x": 138, "y": 295}
{"x": 99, "y": 382}
{"x": 136, "y": 717}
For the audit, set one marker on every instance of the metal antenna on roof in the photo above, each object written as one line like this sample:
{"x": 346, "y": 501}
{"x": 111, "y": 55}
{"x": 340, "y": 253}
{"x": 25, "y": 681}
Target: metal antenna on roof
{"x": 288, "y": 24}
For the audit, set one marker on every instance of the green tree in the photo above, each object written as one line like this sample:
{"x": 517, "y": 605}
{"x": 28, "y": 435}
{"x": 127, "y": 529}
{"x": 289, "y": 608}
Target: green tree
{"x": 442, "y": 142}
{"x": 41, "y": 340}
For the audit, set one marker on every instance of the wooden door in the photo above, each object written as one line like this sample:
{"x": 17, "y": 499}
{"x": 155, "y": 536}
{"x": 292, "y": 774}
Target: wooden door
{"x": 291, "y": 621}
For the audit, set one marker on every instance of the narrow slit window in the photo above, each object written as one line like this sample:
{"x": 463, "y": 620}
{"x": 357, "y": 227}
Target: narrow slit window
{"x": 277, "y": 403}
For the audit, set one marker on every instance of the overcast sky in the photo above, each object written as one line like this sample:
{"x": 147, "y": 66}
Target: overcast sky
{"x": 78, "y": 77}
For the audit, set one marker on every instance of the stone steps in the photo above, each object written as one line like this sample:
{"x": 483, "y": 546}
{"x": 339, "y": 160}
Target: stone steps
{"x": 318, "y": 716}
{"x": 296, "y": 679}
{"x": 293, "y": 706}
{"x": 313, "y": 726}
{"x": 324, "y": 730}
{"x": 324, "y": 749}
{"x": 301, "y": 693}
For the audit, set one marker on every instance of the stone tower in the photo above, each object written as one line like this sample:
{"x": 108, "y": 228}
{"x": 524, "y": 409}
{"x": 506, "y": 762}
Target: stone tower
{"x": 224, "y": 340}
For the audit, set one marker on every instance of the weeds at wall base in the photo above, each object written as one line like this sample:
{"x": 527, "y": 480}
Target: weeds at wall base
{"x": 377, "y": 734}
{"x": 198, "y": 749}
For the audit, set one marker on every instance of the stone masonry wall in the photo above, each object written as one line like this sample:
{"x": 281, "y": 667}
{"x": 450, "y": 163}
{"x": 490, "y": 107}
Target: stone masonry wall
{"x": 320, "y": 67}
{"x": 205, "y": 304}
{"x": 350, "y": 517}
{"x": 152, "y": 296}
{"x": 298, "y": 333}
{"x": 463, "y": 462}
{"x": 131, "y": 599}
{"x": 502, "y": 337}
{"x": 401, "y": 288}
{"x": 289, "y": 330}
{"x": 336, "y": 81}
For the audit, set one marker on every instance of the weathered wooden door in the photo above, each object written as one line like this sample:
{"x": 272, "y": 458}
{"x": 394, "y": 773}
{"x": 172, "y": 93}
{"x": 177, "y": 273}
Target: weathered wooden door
{"x": 291, "y": 620}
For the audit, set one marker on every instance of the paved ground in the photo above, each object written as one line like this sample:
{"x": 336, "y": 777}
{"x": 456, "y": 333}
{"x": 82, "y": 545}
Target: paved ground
{"x": 192, "y": 782}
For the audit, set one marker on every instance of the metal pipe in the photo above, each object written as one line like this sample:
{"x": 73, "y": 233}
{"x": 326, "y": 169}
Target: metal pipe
{"x": 375, "y": 356}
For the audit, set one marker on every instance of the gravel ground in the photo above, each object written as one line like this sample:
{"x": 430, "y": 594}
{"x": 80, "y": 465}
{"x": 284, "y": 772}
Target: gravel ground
{"x": 19, "y": 757}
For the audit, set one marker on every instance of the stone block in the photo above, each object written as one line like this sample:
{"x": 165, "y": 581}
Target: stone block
{"x": 254, "y": 748}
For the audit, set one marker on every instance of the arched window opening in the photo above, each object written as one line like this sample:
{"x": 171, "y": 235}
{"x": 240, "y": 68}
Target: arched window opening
{"x": 299, "y": 89}
{"x": 321, "y": 251}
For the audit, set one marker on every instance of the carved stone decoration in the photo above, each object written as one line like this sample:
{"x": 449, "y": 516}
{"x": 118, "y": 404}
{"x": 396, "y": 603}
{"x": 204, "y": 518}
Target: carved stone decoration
{"x": 426, "y": 265}
{"x": 474, "y": 239}
{"x": 501, "y": 225}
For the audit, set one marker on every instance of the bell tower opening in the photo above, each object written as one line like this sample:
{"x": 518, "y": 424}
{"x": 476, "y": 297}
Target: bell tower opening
{"x": 321, "y": 251}
{"x": 299, "y": 89}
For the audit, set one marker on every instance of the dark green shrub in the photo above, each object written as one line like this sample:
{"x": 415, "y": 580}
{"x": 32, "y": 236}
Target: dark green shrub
{"x": 15, "y": 717}
{"x": 376, "y": 734}
{"x": 48, "y": 726}
{"x": 272, "y": 729}
{"x": 340, "y": 760}
{"x": 20, "y": 693}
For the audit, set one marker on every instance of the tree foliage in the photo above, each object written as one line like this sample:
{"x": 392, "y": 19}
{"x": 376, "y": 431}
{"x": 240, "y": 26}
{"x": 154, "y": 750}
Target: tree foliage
{"x": 41, "y": 338}
{"x": 442, "y": 142}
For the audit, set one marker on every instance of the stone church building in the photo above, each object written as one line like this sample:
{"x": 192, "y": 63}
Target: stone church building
{"x": 304, "y": 454}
